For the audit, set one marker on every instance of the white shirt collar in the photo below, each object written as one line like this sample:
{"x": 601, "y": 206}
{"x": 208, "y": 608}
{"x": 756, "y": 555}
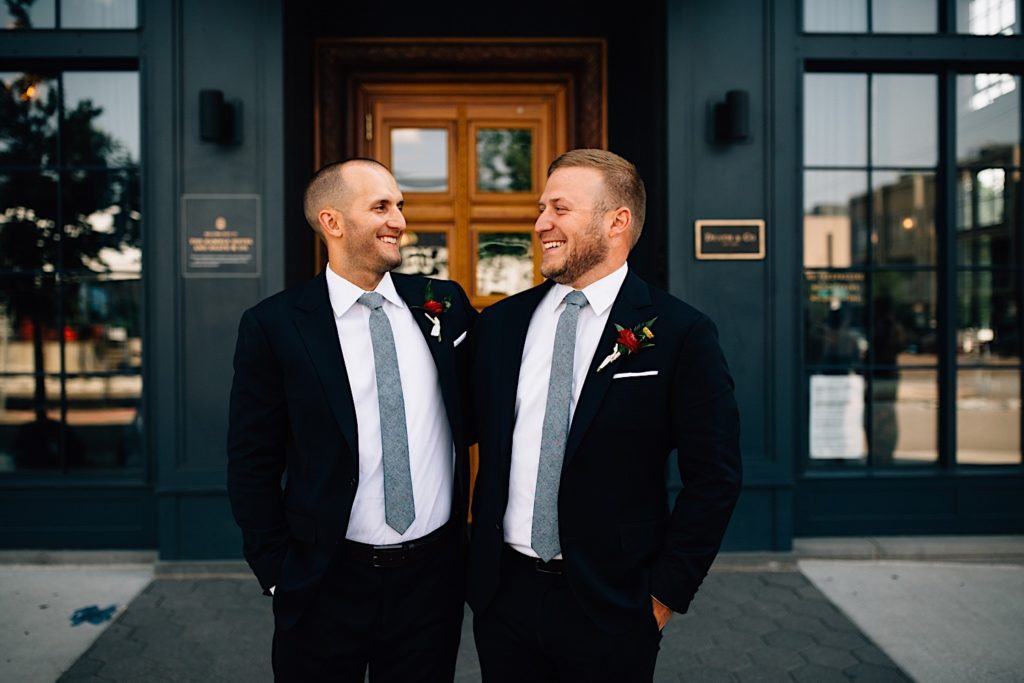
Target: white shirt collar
{"x": 600, "y": 295}
{"x": 343, "y": 294}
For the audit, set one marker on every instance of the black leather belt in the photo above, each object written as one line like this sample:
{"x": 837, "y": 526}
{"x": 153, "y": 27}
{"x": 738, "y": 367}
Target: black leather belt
{"x": 397, "y": 554}
{"x": 556, "y": 567}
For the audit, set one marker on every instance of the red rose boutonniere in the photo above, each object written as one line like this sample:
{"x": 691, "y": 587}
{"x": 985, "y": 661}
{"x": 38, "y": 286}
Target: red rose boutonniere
{"x": 433, "y": 308}
{"x": 630, "y": 340}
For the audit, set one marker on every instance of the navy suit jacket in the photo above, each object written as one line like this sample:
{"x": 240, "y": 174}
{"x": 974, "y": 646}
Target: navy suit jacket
{"x": 292, "y": 415}
{"x": 620, "y": 541}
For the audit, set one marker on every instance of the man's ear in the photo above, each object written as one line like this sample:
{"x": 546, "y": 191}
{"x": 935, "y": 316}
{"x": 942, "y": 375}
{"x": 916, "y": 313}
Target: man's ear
{"x": 622, "y": 219}
{"x": 331, "y": 223}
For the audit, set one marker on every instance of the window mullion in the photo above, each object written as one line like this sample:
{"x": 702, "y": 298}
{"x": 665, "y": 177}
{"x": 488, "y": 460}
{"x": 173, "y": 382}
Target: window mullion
{"x": 946, "y": 222}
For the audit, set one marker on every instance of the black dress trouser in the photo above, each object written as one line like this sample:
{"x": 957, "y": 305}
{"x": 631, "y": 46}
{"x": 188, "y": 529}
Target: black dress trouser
{"x": 403, "y": 622}
{"x": 535, "y": 630}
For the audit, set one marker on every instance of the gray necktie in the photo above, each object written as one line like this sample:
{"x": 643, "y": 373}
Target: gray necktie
{"x": 399, "y": 509}
{"x": 544, "y": 537}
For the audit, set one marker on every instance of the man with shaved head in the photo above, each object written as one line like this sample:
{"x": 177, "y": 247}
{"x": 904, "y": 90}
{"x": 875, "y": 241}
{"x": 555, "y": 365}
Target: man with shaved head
{"x": 348, "y": 448}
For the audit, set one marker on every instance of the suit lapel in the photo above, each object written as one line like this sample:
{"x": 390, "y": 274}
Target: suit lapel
{"x": 412, "y": 290}
{"x": 314, "y": 319}
{"x": 627, "y": 311}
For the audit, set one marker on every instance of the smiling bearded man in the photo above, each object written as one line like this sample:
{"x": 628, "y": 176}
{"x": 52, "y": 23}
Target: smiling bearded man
{"x": 577, "y": 562}
{"x": 351, "y": 388}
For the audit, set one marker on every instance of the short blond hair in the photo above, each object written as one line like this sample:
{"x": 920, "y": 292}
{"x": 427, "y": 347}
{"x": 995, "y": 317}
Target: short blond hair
{"x": 327, "y": 188}
{"x": 623, "y": 186}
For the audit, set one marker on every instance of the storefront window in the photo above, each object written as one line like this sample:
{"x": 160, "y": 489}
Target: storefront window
{"x": 21, "y": 15}
{"x": 70, "y": 272}
{"x": 874, "y": 323}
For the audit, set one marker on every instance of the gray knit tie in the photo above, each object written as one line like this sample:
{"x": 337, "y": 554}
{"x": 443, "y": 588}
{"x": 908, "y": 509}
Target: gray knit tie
{"x": 544, "y": 537}
{"x": 399, "y": 509}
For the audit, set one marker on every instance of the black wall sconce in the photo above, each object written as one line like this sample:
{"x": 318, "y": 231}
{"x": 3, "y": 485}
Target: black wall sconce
{"x": 220, "y": 122}
{"x": 732, "y": 118}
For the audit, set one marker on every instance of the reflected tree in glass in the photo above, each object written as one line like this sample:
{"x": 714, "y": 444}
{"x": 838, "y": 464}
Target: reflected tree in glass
{"x": 504, "y": 158}
{"x": 36, "y": 243}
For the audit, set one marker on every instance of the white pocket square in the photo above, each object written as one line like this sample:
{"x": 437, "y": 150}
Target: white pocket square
{"x": 461, "y": 338}
{"x": 624, "y": 375}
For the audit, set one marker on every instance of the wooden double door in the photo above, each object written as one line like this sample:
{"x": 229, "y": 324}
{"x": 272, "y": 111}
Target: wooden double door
{"x": 471, "y": 160}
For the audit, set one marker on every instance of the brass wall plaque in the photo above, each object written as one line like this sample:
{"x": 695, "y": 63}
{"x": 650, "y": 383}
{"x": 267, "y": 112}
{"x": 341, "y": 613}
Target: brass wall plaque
{"x": 729, "y": 239}
{"x": 220, "y": 235}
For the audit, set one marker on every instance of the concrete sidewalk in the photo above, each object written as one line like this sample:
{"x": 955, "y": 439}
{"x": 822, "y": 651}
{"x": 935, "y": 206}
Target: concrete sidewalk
{"x": 799, "y": 616}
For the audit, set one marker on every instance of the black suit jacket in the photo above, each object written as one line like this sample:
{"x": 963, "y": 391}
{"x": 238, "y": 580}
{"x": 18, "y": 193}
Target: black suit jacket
{"x": 292, "y": 415}
{"x": 620, "y": 541}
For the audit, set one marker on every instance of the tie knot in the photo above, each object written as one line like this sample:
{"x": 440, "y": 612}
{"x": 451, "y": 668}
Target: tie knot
{"x": 371, "y": 300}
{"x": 576, "y": 298}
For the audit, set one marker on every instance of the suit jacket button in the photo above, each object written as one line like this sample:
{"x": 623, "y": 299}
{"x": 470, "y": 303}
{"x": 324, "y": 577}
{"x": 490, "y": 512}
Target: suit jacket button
{"x": 497, "y": 527}
{"x": 352, "y": 482}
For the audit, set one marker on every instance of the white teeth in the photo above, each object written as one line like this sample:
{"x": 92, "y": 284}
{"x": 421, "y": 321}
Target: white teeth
{"x": 388, "y": 240}
{"x": 552, "y": 245}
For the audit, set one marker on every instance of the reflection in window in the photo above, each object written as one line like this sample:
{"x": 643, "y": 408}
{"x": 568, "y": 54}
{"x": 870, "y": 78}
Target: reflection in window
{"x": 28, "y": 119}
{"x": 885, "y": 16}
{"x": 504, "y": 263}
{"x": 835, "y": 326}
{"x": 987, "y": 17}
{"x": 988, "y": 124}
{"x": 988, "y": 419}
{"x": 19, "y": 16}
{"x": 98, "y": 14}
{"x": 70, "y": 269}
{"x": 424, "y": 253}
{"x": 74, "y": 14}
{"x": 903, "y": 229}
{"x": 504, "y": 158}
{"x": 835, "y": 225}
{"x": 904, "y": 120}
{"x": 988, "y": 317}
{"x": 904, "y": 425}
{"x": 835, "y": 102}
{"x": 419, "y": 159}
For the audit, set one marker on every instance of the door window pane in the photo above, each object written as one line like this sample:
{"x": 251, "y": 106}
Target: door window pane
{"x": 38, "y": 14}
{"x": 101, "y": 118}
{"x": 835, "y": 103}
{"x": 419, "y": 159}
{"x": 904, "y": 417}
{"x": 988, "y": 417}
{"x": 988, "y": 317}
{"x": 28, "y": 119}
{"x": 504, "y": 262}
{"x": 98, "y": 14}
{"x": 835, "y": 225}
{"x": 504, "y": 158}
{"x": 904, "y": 16}
{"x": 424, "y": 253}
{"x": 904, "y": 318}
{"x": 903, "y": 230}
{"x": 988, "y": 119}
{"x": 904, "y": 120}
{"x": 835, "y": 327}
{"x": 835, "y": 16}
{"x": 987, "y": 17}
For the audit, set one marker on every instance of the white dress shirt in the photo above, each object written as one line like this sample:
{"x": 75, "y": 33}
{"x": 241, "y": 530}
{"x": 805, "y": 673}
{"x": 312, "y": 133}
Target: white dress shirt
{"x": 532, "y": 392}
{"x": 430, "y": 440}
